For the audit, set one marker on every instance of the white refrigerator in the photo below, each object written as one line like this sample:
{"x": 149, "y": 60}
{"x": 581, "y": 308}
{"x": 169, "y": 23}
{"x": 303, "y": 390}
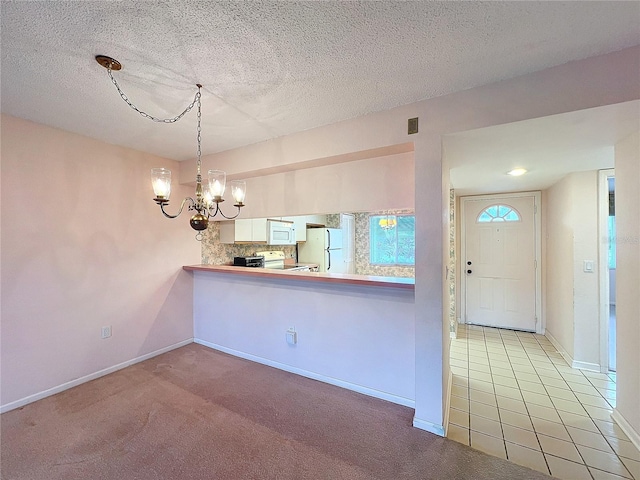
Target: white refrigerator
{"x": 324, "y": 248}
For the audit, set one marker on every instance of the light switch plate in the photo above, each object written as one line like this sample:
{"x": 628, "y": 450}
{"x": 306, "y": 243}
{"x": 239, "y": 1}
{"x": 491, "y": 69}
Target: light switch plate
{"x": 292, "y": 336}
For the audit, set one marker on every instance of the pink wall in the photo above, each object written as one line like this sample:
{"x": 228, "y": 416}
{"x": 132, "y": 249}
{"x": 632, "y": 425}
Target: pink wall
{"x": 611, "y": 79}
{"x": 84, "y": 246}
{"x": 357, "y": 337}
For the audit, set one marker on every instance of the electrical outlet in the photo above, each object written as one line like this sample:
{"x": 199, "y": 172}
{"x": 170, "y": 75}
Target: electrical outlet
{"x": 105, "y": 332}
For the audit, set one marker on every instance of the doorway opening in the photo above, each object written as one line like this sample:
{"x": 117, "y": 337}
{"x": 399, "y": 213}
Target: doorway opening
{"x": 612, "y": 273}
{"x": 607, "y": 270}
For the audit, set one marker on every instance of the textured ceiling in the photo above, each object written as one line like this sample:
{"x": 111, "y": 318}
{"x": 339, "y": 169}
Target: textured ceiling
{"x": 273, "y": 68}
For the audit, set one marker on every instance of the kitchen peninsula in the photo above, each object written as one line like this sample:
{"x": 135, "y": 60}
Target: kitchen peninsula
{"x": 335, "y": 278}
{"x": 354, "y": 331}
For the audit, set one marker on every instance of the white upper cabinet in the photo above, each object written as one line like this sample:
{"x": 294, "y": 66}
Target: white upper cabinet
{"x": 254, "y": 230}
{"x": 300, "y": 223}
{"x": 258, "y": 229}
{"x": 244, "y": 230}
{"x": 316, "y": 219}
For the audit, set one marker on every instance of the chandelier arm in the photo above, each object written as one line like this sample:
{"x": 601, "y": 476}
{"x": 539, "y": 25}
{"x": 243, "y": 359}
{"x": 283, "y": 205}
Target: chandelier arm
{"x": 185, "y": 200}
{"x": 146, "y": 115}
{"x": 211, "y": 212}
{"x": 218, "y": 210}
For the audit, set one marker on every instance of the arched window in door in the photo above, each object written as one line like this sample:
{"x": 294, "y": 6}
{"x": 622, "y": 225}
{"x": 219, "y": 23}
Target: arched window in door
{"x": 498, "y": 213}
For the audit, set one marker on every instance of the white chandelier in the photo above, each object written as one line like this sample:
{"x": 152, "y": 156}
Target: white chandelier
{"x": 207, "y": 202}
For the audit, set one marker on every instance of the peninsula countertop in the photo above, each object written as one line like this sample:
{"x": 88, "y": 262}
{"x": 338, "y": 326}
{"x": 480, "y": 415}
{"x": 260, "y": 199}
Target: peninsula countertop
{"x": 336, "y": 278}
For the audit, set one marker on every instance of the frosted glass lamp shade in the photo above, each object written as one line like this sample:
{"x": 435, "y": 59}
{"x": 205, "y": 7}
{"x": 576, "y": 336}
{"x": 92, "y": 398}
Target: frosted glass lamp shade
{"x": 217, "y": 183}
{"x": 161, "y": 181}
{"x": 238, "y": 190}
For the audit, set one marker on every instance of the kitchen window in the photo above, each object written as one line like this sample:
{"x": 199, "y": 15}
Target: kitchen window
{"x": 392, "y": 239}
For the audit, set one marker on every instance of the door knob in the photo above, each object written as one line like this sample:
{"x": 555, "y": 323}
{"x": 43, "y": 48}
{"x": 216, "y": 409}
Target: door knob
{"x": 469, "y": 262}
{"x": 468, "y": 271}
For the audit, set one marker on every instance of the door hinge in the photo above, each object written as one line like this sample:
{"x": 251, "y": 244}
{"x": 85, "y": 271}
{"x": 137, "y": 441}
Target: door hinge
{"x": 535, "y": 264}
{"x": 535, "y": 209}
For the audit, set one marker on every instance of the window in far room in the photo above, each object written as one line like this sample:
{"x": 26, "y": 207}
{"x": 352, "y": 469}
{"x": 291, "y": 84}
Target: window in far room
{"x": 392, "y": 239}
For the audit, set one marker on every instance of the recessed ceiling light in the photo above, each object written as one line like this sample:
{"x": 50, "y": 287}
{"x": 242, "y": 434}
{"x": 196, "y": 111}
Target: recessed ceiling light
{"x": 516, "y": 172}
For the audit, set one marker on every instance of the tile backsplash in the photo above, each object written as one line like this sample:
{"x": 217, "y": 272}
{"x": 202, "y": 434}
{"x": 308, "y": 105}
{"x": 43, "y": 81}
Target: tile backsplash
{"x": 216, "y": 253}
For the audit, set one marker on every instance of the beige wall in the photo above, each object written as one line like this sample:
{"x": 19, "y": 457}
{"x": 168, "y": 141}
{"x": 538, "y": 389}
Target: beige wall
{"x": 364, "y": 185}
{"x": 552, "y": 91}
{"x": 84, "y": 246}
{"x": 572, "y": 305}
{"x": 586, "y": 350}
{"x": 628, "y": 284}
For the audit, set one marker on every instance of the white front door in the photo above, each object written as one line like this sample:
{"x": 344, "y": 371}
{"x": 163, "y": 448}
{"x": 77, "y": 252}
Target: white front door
{"x": 498, "y": 261}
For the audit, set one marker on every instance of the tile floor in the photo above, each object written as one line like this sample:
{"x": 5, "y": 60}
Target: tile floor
{"x": 515, "y": 397}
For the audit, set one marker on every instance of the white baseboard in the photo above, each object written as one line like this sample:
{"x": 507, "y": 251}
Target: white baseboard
{"x": 567, "y": 358}
{"x": 592, "y": 367}
{"x": 429, "y": 426}
{"x": 626, "y": 428}
{"x": 447, "y": 407}
{"x": 87, "y": 378}
{"x": 407, "y": 402}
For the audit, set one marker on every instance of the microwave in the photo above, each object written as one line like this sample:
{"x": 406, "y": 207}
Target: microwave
{"x": 280, "y": 233}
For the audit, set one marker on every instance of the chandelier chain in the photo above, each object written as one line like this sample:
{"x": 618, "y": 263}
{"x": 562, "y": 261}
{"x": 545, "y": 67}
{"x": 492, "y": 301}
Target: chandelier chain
{"x": 199, "y": 129}
{"x": 151, "y": 117}
{"x": 206, "y": 204}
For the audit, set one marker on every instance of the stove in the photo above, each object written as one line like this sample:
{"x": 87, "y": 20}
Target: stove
{"x": 275, "y": 260}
